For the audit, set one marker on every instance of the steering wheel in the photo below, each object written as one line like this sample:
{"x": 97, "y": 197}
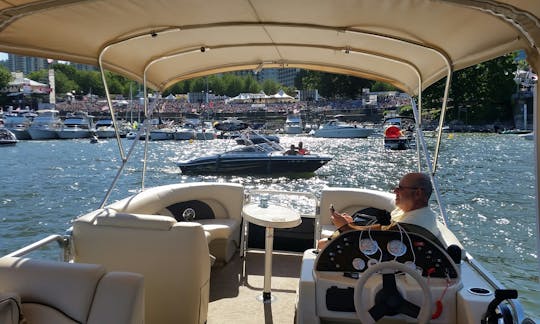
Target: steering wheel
{"x": 388, "y": 300}
{"x": 188, "y": 214}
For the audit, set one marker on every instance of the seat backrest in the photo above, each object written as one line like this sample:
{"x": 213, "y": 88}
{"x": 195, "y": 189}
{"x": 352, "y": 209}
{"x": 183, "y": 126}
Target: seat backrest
{"x": 61, "y": 292}
{"x": 172, "y": 256}
{"x": 350, "y": 200}
{"x": 223, "y": 200}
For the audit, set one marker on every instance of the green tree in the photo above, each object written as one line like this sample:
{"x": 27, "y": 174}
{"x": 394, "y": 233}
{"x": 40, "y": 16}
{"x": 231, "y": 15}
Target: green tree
{"x": 251, "y": 85}
{"x": 478, "y": 94}
{"x": 5, "y": 77}
{"x": 379, "y": 86}
{"x": 270, "y": 86}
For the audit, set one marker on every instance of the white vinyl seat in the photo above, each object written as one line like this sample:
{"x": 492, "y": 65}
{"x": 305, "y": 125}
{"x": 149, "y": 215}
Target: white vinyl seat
{"x": 218, "y": 208}
{"x": 53, "y": 292}
{"x": 173, "y": 257}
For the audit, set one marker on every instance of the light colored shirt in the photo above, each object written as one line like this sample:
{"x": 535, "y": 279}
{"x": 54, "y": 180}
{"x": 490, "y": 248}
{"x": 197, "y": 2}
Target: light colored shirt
{"x": 424, "y": 217}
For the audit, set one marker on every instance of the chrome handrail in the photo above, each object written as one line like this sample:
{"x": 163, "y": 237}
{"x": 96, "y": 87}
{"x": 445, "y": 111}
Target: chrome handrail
{"x": 63, "y": 243}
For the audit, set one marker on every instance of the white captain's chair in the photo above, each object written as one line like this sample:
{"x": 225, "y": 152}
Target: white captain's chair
{"x": 173, "y": 257}
{"x": 350, "y": 201}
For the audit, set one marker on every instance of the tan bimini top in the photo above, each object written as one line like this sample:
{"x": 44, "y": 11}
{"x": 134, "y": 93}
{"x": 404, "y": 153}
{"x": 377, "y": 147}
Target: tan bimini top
{"x": 402, "y": 42}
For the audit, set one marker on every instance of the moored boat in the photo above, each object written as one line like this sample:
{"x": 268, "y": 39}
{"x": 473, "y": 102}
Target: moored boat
{"x": 46, "y": 125}
{"x": 339, "y": 129}
{"x": 18, "y": 123}
{"x": 293, "y": 124}
{"x": 105, "y": 128}
{"x": 7, "y": 137}
{"x": 76, "y": 125}
{"x": 398, "y": 133}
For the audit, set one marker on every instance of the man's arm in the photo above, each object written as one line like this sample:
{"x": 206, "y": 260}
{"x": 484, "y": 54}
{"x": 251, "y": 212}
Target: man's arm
{"x": 345, "y": 222}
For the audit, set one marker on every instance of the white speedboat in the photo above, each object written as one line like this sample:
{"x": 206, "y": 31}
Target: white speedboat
{"x": 105, "y": 128}
{"x": 76, "y": 125}
{"x": 162, "y": 134}
{"x": 46, "y": 125}
{"x": 528, "y": 136}
{"x": 205, "y": 132}
{"x": 184, "y": 133}
{"x": 7, "y": 137}
{"x": 339, "y": 129}
{"x": 293, "y": 124}
{"x": 18, "y": 123}
{"x": 148, "y": 257}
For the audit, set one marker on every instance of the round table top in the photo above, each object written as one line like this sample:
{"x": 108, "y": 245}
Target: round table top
{"x": 272, "y": 216}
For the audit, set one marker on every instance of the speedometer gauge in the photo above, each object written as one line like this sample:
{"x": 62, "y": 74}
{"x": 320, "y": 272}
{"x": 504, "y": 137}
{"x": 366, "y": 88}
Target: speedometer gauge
{"x": 358, "y": 264}
{"x": 368, "y": 246}
{"x": 396, "y": 248}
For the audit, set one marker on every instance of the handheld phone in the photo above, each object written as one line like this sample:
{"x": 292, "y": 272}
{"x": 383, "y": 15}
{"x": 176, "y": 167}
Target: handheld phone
{"x": 332, "y": 209}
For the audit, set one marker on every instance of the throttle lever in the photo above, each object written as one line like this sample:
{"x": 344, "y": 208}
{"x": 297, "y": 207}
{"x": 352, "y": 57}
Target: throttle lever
{"x": 491, "y": 315}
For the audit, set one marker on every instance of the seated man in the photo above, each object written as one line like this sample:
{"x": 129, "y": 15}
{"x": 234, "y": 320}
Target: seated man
{"x": 412, "y": 199}
{"x": 291, "y": 151}
{"x": 301, "y": 149}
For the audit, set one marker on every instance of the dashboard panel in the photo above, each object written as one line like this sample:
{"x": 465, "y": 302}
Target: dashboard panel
{"x": 354, "y": 251}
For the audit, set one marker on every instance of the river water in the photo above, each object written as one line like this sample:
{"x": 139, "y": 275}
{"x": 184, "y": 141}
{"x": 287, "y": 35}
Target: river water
{"x": 486, "y": 181}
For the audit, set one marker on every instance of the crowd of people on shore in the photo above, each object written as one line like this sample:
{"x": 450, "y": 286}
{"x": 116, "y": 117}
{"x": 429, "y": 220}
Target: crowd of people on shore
{"x": 183, "y": 107}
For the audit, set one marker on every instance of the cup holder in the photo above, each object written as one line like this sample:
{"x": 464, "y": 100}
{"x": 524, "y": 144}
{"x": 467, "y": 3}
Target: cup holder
{"x": 480, "y": 291}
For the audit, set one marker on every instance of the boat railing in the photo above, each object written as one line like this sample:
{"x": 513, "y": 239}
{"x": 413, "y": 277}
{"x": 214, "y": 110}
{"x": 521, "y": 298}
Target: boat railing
{"x": 61, "y": 240}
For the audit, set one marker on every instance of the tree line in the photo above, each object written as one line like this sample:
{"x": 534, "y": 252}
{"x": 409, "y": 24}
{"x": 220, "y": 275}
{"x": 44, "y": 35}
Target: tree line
{"x": 482, "y": 92}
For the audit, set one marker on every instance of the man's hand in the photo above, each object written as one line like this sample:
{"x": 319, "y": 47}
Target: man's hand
{"x": 341, "y": 219}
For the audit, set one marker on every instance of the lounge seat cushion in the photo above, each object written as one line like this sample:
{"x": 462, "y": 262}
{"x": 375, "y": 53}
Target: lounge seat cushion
{"x": 222, "y": 228}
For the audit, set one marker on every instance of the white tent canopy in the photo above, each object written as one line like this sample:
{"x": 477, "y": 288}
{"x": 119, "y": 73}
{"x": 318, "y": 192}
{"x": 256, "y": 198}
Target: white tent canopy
{"x": 27, "y": 86}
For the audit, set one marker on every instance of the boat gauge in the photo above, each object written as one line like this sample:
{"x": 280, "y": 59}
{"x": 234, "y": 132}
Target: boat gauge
{"x": 358, "y": 264}
{"x": 368, "y": 246}
{"x": 396, "y": 248}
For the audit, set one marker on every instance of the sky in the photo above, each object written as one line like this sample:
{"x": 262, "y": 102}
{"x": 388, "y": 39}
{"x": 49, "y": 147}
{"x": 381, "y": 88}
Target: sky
{"x": 3, "y": 56}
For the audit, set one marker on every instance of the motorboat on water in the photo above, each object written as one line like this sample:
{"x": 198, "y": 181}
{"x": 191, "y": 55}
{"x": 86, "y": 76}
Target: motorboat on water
{"x": 184, "y": 133}
{"x": 7, "y": 137}
{"x": 293, "y": 124}
{"x": 232, "y": 124}
{"x": 528, "y": 136}
{"x": 335, "y": 128}
{"x": 399, "y": 133}
{"x": 105, "y": 128}
{"x": 45, "y": 125}
{"x": 182, "y": 253}
{"x": 162, "y": 134}
{"x": 76, "y": 125}
{"x": 18, "y": 123}
{"x": 205, "y": 132}
{"x": 263, "y": 158}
